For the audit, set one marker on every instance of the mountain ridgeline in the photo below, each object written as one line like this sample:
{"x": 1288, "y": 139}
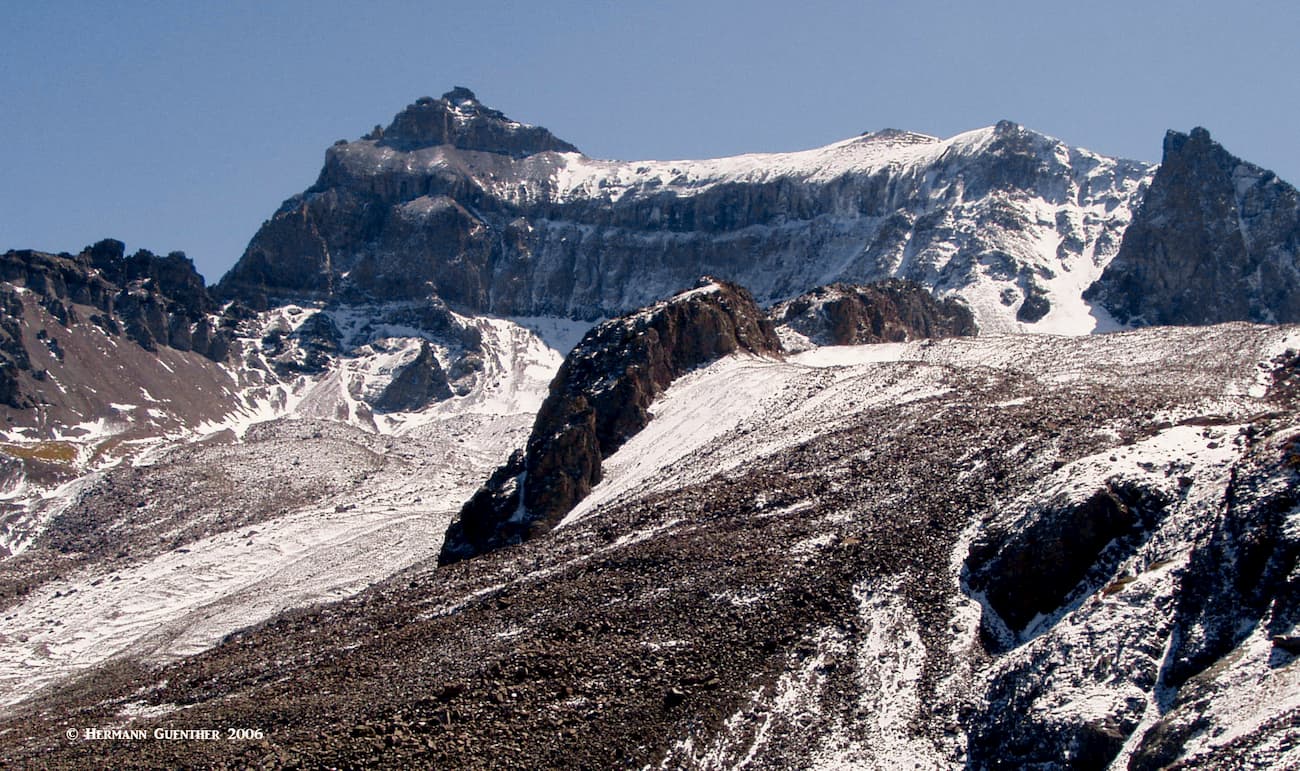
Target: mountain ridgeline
{"x": 1015, "y": 222}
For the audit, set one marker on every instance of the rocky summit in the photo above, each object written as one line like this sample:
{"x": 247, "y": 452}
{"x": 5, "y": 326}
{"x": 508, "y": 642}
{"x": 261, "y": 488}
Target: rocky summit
{"x": 1216, "y": 239}
{"x": 489, "y": 454}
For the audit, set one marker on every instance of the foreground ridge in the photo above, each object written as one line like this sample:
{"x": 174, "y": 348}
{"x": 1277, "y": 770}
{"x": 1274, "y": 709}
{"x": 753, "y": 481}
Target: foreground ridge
{"x": 828, "y": 558}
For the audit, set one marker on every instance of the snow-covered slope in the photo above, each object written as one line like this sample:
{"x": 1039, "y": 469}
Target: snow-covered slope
{"x": 300, "y": 493}
{"x": 1025, "y": 550}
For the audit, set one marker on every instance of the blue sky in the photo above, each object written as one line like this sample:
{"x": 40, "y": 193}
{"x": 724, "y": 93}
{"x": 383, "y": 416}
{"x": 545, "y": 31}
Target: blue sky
{"x": 174, "y": 126}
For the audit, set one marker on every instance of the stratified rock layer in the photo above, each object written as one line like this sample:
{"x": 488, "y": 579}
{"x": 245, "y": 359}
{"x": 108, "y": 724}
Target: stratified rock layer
{"x": 457, "y": 201}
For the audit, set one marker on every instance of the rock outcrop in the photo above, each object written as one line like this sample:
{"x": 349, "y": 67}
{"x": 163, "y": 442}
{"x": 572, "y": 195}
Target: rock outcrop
{"x": 1031, "y": 570}
{"x": 599, "y": 399}
{"x": 154, "y": 300}
{"x": 416, "y": 384}
{"x": 150, "y": 300}
{"x": 1216, "y": 239}
{"x": 889, "y": 312}
{"x": 459, "y": 120}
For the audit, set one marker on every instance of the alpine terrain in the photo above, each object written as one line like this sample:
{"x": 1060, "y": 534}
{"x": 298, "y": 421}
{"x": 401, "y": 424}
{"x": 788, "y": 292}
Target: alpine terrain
{"x": 902, "y": 452}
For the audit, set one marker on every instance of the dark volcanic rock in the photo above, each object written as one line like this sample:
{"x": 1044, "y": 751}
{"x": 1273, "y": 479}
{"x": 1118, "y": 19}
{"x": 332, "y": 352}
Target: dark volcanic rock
{"x": 599, "y": 399}
{"x": 1216, "y": 239}
{"x": 416, "y": 385}
{"x": 393, "y": 234}
{"x": 887, "y": 312}
{"x": 484, "y": 520}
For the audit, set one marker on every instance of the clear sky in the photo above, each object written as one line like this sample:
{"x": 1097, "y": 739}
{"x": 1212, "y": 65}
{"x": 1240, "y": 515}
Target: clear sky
{"x": 182, "y": 126}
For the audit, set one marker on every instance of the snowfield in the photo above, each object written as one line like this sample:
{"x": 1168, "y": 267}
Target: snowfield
{"x": 399, "y": 479}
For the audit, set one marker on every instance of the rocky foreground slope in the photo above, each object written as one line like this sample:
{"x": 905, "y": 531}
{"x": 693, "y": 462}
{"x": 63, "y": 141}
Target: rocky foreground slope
{"x": 822, "y": 561}
{"x": 340, "y": 444}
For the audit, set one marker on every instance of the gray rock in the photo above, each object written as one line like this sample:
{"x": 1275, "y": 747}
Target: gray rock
{"x": 489, "y": 218}
{"x": 1216, "y": 239}
{"x": 416, "y": 385}
{"x": 888, "y": 312}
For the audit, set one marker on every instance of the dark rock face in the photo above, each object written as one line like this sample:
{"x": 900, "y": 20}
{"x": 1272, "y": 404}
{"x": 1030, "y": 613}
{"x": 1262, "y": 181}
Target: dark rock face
{"x": 460, "y": 120}
{"x": 416, "y": 385}
{"x": 1246, "y": 568}
{"x": 308, "y": 350}
{"x": 888, "y": 312}
{"x": 156, "y": 300}
{"x": 455, "y": 201}
{"x": 151, "y": 300}
{"x": 1216, "y": 239}
{"x": 1034, "y": 307}
{"x": 396, "y": 234}
{"x": 485, "y": 522}
{"x": 13, "y": 355}
{"x": 1034, "y": 569}
{"x": 599, "y": 399}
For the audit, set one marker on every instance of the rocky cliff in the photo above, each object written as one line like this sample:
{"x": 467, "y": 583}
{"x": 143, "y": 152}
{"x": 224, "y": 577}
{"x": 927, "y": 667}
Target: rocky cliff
{"x": 54, "y": 304}
{"x": 155, "y": 300}
{"x": 599, "y": 399}
{"x": 1216, "y": 239}
{"x": 459, "y": 120}
{"x": 457, "y": 201}
{"x": 888, "y": 312}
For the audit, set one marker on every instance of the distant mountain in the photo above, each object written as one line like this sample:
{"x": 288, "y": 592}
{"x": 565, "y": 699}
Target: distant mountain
{"x": 494, "y": 216}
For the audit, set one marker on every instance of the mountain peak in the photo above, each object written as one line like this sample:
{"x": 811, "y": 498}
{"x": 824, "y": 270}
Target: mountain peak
{"x": 459, "y": 119}
{"x": 1198, "y": 137}
{"x": 458, "y": 95}
{"x": 1200, "y": 248}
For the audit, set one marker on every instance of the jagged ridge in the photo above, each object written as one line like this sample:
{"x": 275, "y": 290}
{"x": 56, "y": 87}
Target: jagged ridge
{"x": 1015, "y": 222}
